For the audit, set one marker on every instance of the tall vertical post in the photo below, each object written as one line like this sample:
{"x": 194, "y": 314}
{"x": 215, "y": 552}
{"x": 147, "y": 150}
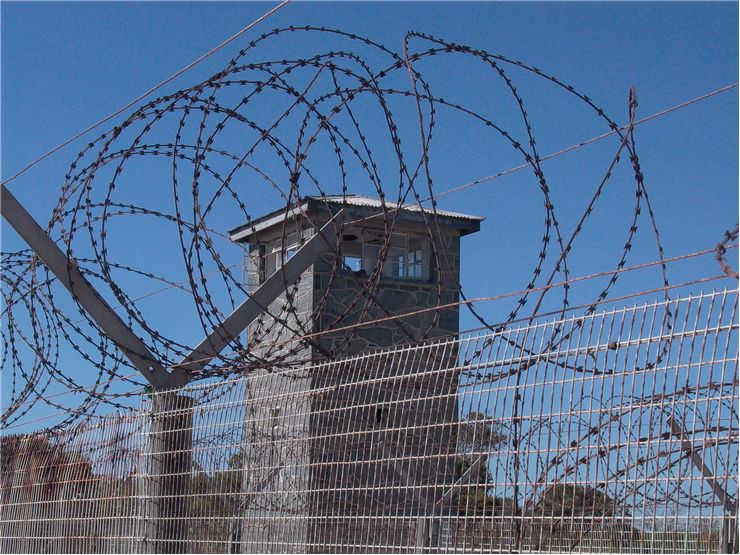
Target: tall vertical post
{"x": 728, "y": 536}
{"x": 165, "y": 481}
{"x": 165, "y": 469}
{"x": 427, "y": 534}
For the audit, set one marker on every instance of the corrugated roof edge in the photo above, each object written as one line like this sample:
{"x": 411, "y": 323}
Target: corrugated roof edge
{"x": 359, "y": 201}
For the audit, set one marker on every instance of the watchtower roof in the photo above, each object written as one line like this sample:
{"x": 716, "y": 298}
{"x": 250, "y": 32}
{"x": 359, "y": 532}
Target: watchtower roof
{"x": 358, "y": 207}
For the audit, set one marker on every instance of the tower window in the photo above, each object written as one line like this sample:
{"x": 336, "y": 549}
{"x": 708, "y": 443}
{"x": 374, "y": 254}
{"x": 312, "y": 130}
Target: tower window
{"x": 407, "y": 254}
{"x": 381, "y": 414}
{"x": 266, "y": 258}
{"x": 351, "y": 263}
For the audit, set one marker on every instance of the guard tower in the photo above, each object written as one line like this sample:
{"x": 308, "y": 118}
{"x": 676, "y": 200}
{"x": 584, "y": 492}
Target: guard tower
{"x": 312, "y": 462}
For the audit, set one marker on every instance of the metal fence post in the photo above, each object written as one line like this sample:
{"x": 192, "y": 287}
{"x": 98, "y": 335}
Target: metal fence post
{"x": 728, "y": 535}
{"x": 427, "y": 534}
{"x": 166, "y": 479}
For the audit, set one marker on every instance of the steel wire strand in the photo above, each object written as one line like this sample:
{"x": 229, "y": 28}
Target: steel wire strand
{"x": 324, "y": 95}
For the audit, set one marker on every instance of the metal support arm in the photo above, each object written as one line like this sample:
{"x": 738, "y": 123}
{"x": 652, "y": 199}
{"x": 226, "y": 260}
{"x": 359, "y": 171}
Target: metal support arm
{"x": 85, "y": 294}
{"x": 719, "y": 492}
{"x": 113, "y": 326}
{"x": 258, "y": 301}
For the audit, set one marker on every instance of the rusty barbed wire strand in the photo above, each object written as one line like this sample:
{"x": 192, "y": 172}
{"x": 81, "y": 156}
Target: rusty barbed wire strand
{"x": 132, "y": 377}
{"x": 146, "y": 94}
{"x": 721, "y": 250}
{"x": 228, "y": 372}
{"x": 307, "y": 127}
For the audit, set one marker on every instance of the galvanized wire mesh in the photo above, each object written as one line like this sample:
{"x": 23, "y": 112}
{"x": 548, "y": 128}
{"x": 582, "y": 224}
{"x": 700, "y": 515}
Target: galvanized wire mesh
{"x": 612, "y": 432}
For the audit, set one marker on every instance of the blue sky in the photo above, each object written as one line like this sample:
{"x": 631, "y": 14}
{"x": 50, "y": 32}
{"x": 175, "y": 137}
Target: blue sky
{"x": 66, "y": 65}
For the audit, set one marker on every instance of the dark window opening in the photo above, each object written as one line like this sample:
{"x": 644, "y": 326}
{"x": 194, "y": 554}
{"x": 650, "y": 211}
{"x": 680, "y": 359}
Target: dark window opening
{"x": 381, "y": 414}
{"x": 407, "y": 255}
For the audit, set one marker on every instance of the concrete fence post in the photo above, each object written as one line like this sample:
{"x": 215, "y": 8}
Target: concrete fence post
{"x": 165, "y": 481}
{"x": 427, "y": 534}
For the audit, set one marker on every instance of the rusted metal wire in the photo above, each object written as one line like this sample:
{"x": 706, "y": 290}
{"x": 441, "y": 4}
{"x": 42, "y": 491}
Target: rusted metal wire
{"x": 317, "y": 115}
{"x": 721, "y": 250}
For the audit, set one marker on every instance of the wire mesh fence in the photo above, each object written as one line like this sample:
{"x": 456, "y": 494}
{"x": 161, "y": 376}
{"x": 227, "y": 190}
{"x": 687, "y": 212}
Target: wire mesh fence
{"x": 609, "y": 432}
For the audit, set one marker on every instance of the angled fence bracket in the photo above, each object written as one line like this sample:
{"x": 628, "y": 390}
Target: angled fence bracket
{"x": 116, "y": 330}
{"x": 729, "y": 532}
{"x": 84, "y": 293}
{"x": 259, "y": 300}
{"x": 167, "y": 465}
{"x": 717, "y": 489}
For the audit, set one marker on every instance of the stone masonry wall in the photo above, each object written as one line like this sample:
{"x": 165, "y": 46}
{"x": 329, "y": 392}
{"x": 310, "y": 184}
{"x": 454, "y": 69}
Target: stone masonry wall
{"x": 386, "y": 411}
{"x": 356, "y": 449}
{"x": 277, "y": 428}
{"x": 338, "y": 294}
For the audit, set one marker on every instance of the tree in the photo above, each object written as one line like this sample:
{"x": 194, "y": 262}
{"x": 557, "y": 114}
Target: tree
{"x": 478, "y": 437}
{"x": 47, "y": 481}
{"x": 571, "y": 500}
{"x": 568, "y": 515}
{"x": 35, "y": 462}
{"x": 215, "y": 503}
{"x": 480, "y": 434}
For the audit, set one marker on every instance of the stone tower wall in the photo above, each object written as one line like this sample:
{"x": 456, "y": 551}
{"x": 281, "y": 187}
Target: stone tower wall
{"x": 337, "y": 292}
{"x": 386, "y": 414}
{"x": 376, "y": 421}
{"x": 277, "y": 428}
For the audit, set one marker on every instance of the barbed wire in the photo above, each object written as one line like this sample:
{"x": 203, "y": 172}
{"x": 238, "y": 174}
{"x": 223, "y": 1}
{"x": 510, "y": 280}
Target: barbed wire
{"x": 721, "y": 249}
{"x": 608, "y": 436}
{"x": 147, "y": 201}
{"x": 281, "y": 343}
